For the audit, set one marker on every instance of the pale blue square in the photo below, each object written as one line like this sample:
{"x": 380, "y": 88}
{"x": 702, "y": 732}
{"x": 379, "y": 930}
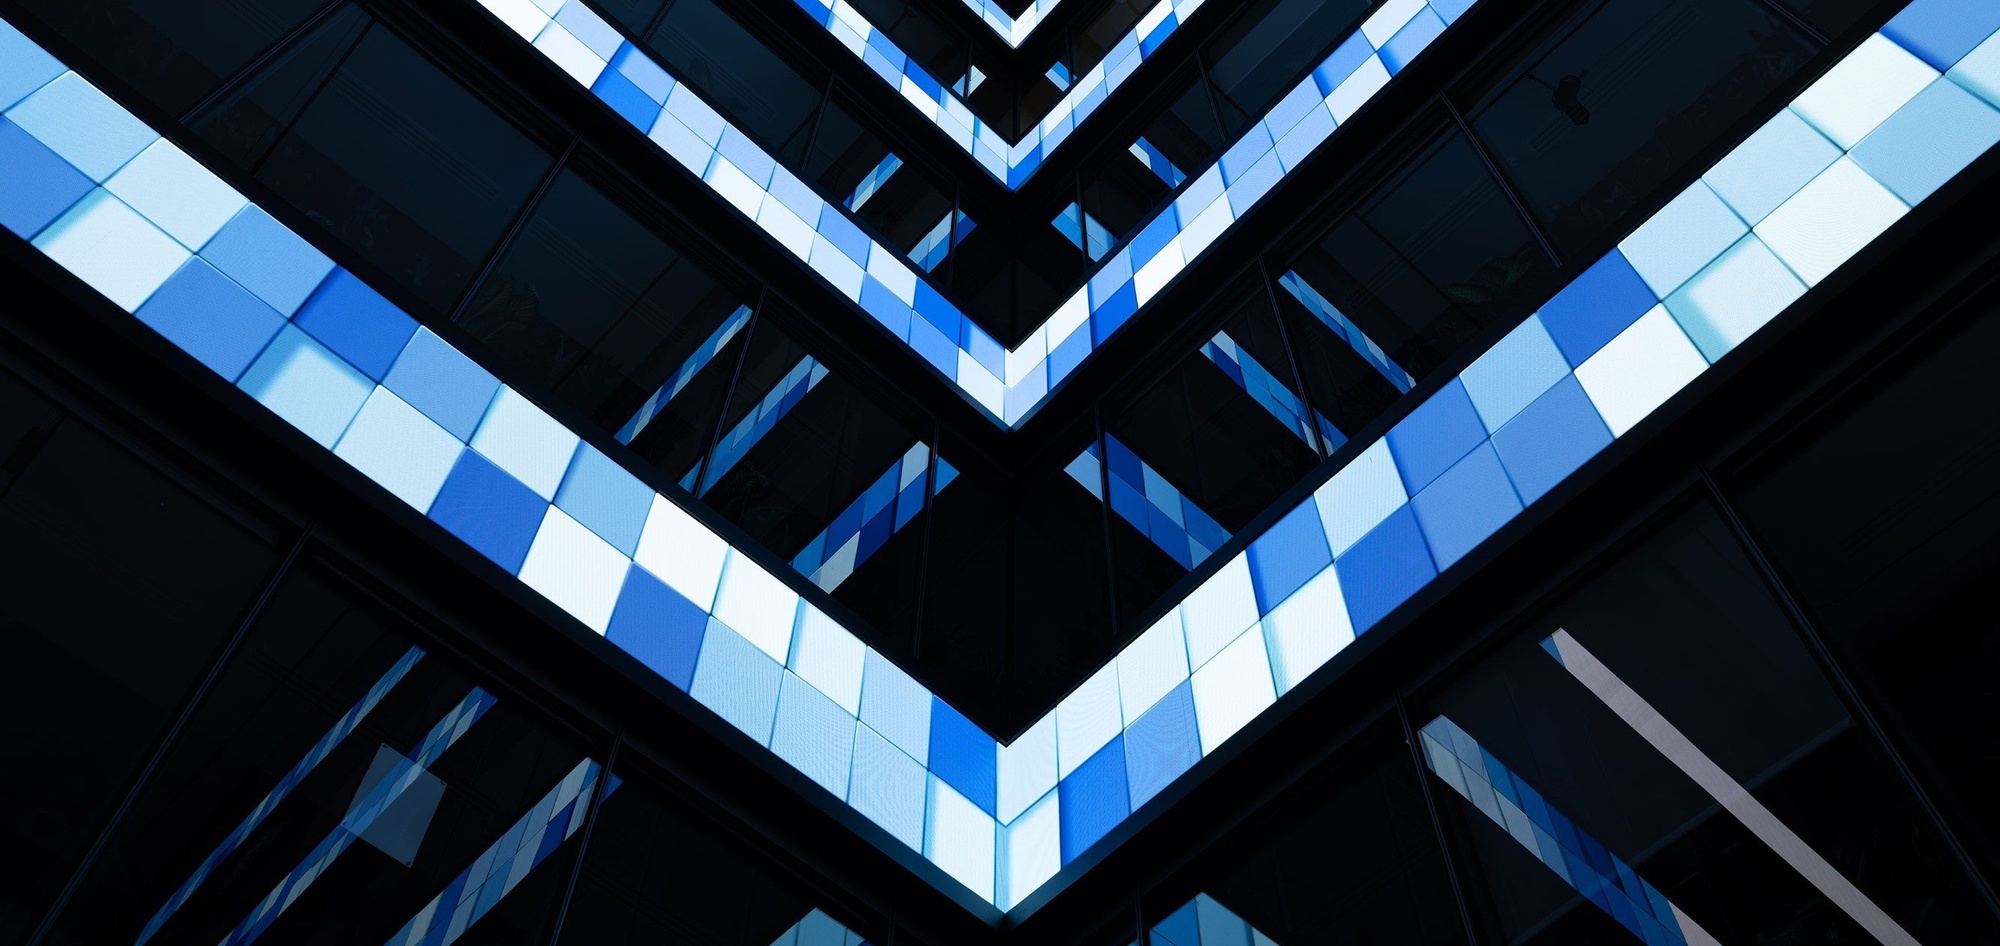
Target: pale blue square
{"x": 1928, "y": 141}
{"x": 1686, "y": 235}
{"x": 1771, "y": 165}
{"x": 606, "y": 498}
{"x": 83, "y": 125}
{"x": 24, "y": 66}
{"x": 814, "y": 734}
{"x": 1163, "y": 743}
{"x": 1514, "y": 372}
{"x": 894, "y": 704}
{"x": 887, "y": 786}
{"x": 1734, "y": 297}
{"x": 268, "y": 259}
{"x": 1469, "y": 502}
{"x": 307, "y": 385}
{"x": 443, "y": 383}
{"x": 738, "y": 681}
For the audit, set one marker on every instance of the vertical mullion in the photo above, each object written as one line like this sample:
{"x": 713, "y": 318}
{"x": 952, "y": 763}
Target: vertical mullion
{"x": 597, "y": 794}
{"x": 1452, "y": 869}
{"x": 513, "y": 232}
{"x": 282, "y": 47}
{"x": 1500, "y": 180}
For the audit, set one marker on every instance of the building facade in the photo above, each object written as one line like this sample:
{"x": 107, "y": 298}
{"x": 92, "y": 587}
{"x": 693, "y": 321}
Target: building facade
{"x": 1078, "y": 472}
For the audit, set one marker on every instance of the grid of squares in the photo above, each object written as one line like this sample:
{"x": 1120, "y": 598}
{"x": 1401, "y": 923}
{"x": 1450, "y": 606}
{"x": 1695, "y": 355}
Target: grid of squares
{"x": 135, "y": 218}
{"x": 1007, "y": 385}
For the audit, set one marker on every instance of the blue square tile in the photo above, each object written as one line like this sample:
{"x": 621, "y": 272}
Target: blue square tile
{"x": 1929, "y": 140}
{"x": 934, "y": 346}
{"x": 1162, "y": 744}
{"x": 268, "y": 259}
{"x": 1591, "y": 311}
{"x": 606, "y": 498}
{"x": 1152, "y": 239}
{"x": 964, "y": 756}
{"x": 1335, "y": 68}
{"x": 653, "y": 623}
{"x": 1441, "y": 430}
{"x": 357, "y": 323}
{"x": 935, "y": 309}
{"x": 1941, "y": 32}
{"x": 1113, "y": 312}
{"x": 489, "y": 510}
{"x": 217, "y": 321}
{"x": 1067, "y": 355}
{"x": 643, "y": 72}
{"x": 984, "y": 348}
{"x": 845, "y": 236}
{"x": 1384, "y": 569}
{"x": 887, "y": 308}
{"x": 1469, "y": 502}
{"x": 627, "y": 99}
{"x": 38, "y": 186}
{"x": 443, "y": 383}
{"x": 1093, "y": 799}
{"x": 1288, "y": 555}
{"x": 24, "y": 66}
{"x": 1548, "y": 440}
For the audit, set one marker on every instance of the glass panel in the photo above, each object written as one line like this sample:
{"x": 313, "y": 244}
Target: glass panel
{"x": 117, "y": 591}
{"x": 1008, "y": 281}
{"x": 338, "y": 761}
{"x": 1884, "y": 516}
{"x": 1683, "y": 629}
{"x": 405, "y": 166}
{"x": 660, "y": 871}
{"x": 1432, "y": 257}
{"x": 1633, "y": 92}
{"x": 1388, "y": 882}
{"x": 596, "y": 305}
{"x": 245, "y": 124}
{"x": 173, "y": 52}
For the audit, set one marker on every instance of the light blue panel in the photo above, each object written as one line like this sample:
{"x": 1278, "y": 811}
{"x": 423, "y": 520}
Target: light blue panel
{"x": 399, "y": 448}
{"x": 1734, "y": 297}
{"x": 1161, "y": 744}
{"x": 443, "y": 383}
{"x": 211, "y": 318}
{"x": 526, "y": 442}
{"x": 606, "y": 498}
{"x": 814, "y": 734}
{"x": 83, "y": 125}
{"x": 1440, "y": 430}
{"x": 1771, "y": 165}
{"x": 24, "y": 66}
{"x": 177, "y": 194}
{"x": 1515, "y": 371}
{"x": 113, "y": 249}
{"x": 1551, "y": 438}
{"x": 894, "y": 704}
{"x": 1929, "y": 140}
{"x": 1471, "y": 501}
{"x": 738, "y": 681}
{"x": 307, "y": 385}
{"x": 268, "y": 259}
{"x": 888, "y": 787}
{"x": 1979, "y": 73}
{"x": 1686, "y": 235}
{"x": 1413, "y": 38}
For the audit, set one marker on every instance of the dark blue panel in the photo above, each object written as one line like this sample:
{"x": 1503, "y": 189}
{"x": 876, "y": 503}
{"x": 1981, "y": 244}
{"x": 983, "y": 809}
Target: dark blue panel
{"x": 1110, "y": 316}
{"x": 935, "y": 347}
{"x": 964, "y": 756}
{"x": 627, "y": 99}
{"x": 1130, "y": 505}
{"x": 936, "y": 310}
{"x": 1162, "y": 744}
{"x": 1180, "y": 928}
{"x": 1471, "y": 501}
{"x": 212, "y": 318}
{"x": 1335, "y": 69}
{"x": 1093, "y": 799}
{"x": 1384, "y": 569}
{"x": 1064, "y": 358}
{"x": 1591, "y": 311}
{"x": 1435, "y": 435}
{"x": 655, "y": 624}
{"x": 1941, "y": 32}
{"x": 1287, "y": 556}
{"x": 357, "y": 323}
{"x": 490, "y": 510}
{"x": 1157, "y": 234}
{"x": 38, "y": 185}
{"x": 1551, "y": 438}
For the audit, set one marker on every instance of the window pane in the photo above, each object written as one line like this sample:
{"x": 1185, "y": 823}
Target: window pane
{"x": 1591, "y": 128}
{"x": 402, "y": 164}
{"x": 739, "y": 75}
{"x": 173, "y": 52}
